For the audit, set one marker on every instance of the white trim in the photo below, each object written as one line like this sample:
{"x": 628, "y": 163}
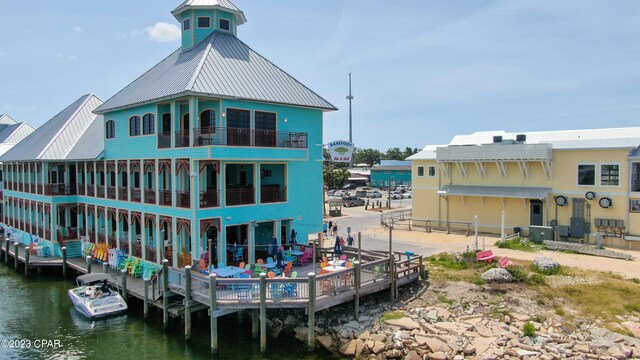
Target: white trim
{"x": 198, "y": 22}
{"x": 595, "y": 175}
{"x": 600, "y": 173}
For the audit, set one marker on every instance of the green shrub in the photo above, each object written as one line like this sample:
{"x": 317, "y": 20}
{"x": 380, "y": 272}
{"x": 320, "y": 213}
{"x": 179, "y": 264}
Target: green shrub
{"x": 444, "y": 299}
{"x": 529, "y": 329}
{"x": 560, "y": 311}
{"x": 391, "y": 315}
{"x": 477, "y": 280}
{"x": 536, "y": 279}
{"x": 636, "y": 280}
{"x": 517, "y": 272}
{"x": 554, "y": 271}
{"x": 469, "y": 256}
{"x": 449, "y": 261}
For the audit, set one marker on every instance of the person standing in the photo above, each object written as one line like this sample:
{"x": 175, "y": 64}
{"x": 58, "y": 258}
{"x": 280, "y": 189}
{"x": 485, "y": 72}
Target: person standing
{"x": 350, "y": 240}
{"x": 330, "y": 227}
{"x": 325, "y": 226}
{"x": 335, "y": 228}
{"x": 337, "y": 248}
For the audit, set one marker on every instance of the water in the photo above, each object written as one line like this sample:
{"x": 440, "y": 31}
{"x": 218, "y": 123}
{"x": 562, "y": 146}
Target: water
{"x": 39, "y": 308}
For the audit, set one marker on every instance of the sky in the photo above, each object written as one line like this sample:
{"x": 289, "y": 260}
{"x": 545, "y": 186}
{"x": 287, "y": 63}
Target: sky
{"x": 423, "y": 71}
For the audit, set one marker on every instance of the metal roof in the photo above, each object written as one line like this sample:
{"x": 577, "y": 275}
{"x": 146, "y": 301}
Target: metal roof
{"x": 85, "y": 148}
{"x": 497, "y": 191}
{"x": 57, "y": 137}
{"x": 211, "y": 4}
{"x": 392, "y": 167}
{"x": 428, "y": 153}
{"x": 219, "y": 66}
{"x": 6, "y": 119}
{"x": 13, "y": 134}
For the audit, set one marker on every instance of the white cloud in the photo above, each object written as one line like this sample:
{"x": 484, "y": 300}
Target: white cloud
{"x": 163, "y": 32}
{"x": 77, "y": 29}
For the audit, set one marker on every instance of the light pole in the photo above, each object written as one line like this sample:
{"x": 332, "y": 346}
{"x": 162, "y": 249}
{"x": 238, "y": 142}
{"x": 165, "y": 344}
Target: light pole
{"x": 322, "y": 160}
{"x": 350, "y": 98}
{"x": 389, "y": 189}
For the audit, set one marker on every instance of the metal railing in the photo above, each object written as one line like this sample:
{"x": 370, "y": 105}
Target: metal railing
{"x": 183, "y": 199}
{"x": 164, "y": 140}
{"x": 165, "y": 197}
{"x": 182, "y": 138}
{"x": 111, "y": 192}
{"x": 100, "y": 192}
{"x": 225, "y": 136}
{"x": 241, "y": 196}
{"x": 273, "y": 194}
{"x": 80, "y": 189}
{"x": 59, "y": 189}
{"x": 149, "y": 196}
{"x": 91, "y": 190}
{"x": 209, "y": 198}
{"x": 123, "y": 193}
{"x": 135, "y": 194}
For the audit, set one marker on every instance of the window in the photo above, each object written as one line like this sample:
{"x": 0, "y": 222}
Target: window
{"x": 420, "y": 170}
{"x": 586, "y": 174}
{"x": 635, "y": 177}
{"x": 148, "y": 124}
{"x": 208, "y": 119}
{"x": 134, "y": 126}
{"x": 204, "y": 22}
{"x": 110, "y": 129}
{"x": 224, "y": 24}
{"x": 186, "y": 25}
{"x": 432, "y": 171}
{"x": 239, "y": 119}
{"x": 265, "y": 120}
{"x": 609, "y": 175}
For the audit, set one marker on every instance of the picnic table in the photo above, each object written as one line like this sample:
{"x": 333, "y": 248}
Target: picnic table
{"x": 336, "y": 262}
{"x": 269, "y": 266}
{"x": 296, "y": 252}
{"x": 229, "y": 271}
{"x": 334, "y": 268}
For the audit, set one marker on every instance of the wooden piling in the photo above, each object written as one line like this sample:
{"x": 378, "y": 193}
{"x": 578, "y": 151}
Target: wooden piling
{"x": 16, "y": 251}
{"x": 64, "y": 261}
{"x": 392, "y": 276}
{"x": 311, "y": 336}
{"x": 213, "y": 296}
{"x": 255, "y": 323}
{"x": 263, "y": 313}
{"x": 146, "y": 299}
{"x": 187, "y": 303}
{"x": 105, "y": 268}
{"x": 356, "y": 279}
{"x": 165, "y": 294}
{"x": 359, "y": 246}
{"x": 26, "y": 262}
{"x": 88, "y": 264}
{"x": 124, "y": 284}
{"x": 6, "y": 252}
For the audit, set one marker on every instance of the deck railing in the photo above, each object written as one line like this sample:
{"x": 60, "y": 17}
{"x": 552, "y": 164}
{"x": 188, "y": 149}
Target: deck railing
{"x": 149, "y": 196}
{"x": 123, "y": 193}
{"x": 111, "y": 192}
{"x": 183, "y": 199}
{"x": 225, "y": 136}
{"x": 91, "y": 190}
{"x": 240, "y": 196}
{"x": 273, "y": 194}
{"x": 182, "y": 138}
{"x": 165, "y": 197}
{"x": 80, "y": 189}
{"x": 59, "y": 189}
{"x": 164, "y": 140}
{"x": 209, "y": 198}
{"x": 100, "y": 192}
{"x": 135, "y": 194}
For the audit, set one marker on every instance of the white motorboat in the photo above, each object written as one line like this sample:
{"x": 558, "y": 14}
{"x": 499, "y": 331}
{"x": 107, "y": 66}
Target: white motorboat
{"x": 97, "y": 296}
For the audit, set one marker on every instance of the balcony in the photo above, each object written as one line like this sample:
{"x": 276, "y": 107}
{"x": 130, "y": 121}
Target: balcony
{"x": 222, "y": 136}
{"x": 151, "y": 254}
{"x": 123, "y": 193}
{"x": 165, "y": 197}
{"x": 209, "y": 199}
{"x": 40, "y": 232}
{"x": 273, "y": 194}
{"x": 47, "y": 234}
{"x": 182, "y": 138}
{"x": 67, "y": 234}
{"x": 184, "y": 199}
{"x": 91, "y": 190}
{"x": 32, "y": 188}
{"x": 164, "y": 140}
{"x": 100, "y": 192}
{"x": 80, "y": 189}
{"x": 111, "y": 192}
{"x": 102, "y": 239}
{"x": 59, "y": 189}
{"x": 135, "y": 195}
{"x": 240, "y": 196}
{"x": 150, "y": 196}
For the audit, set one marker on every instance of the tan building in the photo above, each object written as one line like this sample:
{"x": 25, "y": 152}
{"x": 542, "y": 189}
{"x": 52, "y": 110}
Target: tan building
{"x": 580, "y": 182}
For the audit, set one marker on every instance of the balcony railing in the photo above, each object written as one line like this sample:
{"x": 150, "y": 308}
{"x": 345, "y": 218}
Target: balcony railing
{"x": 47, "y": 234}
{"x": 165, "y": 197}
{"x": 59, "y": 189}
{"x": 40, "y": 232}
{"x": 182, "y": 138}
{"x": 151, "y": 254}
{"x": 67, "y": 234}
{"x": 149, "y": 196}
{"x": 80, "y": 189}
{"x": 123, "y": 193}
{"x": 223, "y": 136}
{"x": 102, "y": 239}
{"x": 32, "y": 188}
{"x": 111, "y": 192}
{"x": 209, "y": 198}
{"x": 100, "y": 192}
{"x": 184, "y": 199}
{"x": 137, "y": 251}
{"x": 91, "y": 190}
{"x": 164, "y": 140}
{"x": 240, "y": 196}
{"x": 135, "y": 194}
{"x": 273, "y": 194}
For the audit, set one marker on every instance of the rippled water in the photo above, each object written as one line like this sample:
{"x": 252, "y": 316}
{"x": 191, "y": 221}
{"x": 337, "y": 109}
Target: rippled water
{"x": 39, "y": 308}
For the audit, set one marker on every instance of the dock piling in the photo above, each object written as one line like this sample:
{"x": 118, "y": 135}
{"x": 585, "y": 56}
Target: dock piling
{"x": 6, "y": 252}
{"x": 359, "y": 246}
{"x": 165, "y": 292}
{"x": 105, "y": 268}
{"x": 26, "y": 262}
{"x": 16, "y": 251}
{"x": 212, "y": 309}
{"x": 124, "y": 284}
{"x": 263, "y": 313}
{"x": 64, "y": 261}
{"x": 146, "y": 299}
{"x": 311, "y": 336}
{"x": 255, "y": 324}
{"x": 187, "y": 303}
{"x": 88, "y": 264}
{"x": 356, "y": 300}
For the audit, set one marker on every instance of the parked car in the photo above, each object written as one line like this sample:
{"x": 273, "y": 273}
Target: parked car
{"x": 361, "y": 193}
{"x": 396, "y": 195}
{"x": 350, "y": 186}
{"x": 407, "y": 195}
{"x": 374, "y": 194}
{"x": 402, "y": 188}
{"x": 341, "y": 193}
{"x": 330, "y": 192}
{"x": 350, "y": 201}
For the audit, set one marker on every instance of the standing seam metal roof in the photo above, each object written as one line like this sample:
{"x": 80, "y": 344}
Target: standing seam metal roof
{"x": 221, "y": 65}
{"x": 224, "y": 4}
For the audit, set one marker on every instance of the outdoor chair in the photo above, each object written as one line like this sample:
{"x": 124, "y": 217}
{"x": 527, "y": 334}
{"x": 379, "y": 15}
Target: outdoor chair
{"x": 239, "y": 254}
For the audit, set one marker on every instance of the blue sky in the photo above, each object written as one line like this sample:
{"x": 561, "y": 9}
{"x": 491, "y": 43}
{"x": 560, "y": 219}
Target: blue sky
{"x": 423, "y": 71}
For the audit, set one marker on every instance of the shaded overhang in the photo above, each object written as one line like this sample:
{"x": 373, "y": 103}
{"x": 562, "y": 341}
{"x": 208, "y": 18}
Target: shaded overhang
{"x": 516, "y": 192}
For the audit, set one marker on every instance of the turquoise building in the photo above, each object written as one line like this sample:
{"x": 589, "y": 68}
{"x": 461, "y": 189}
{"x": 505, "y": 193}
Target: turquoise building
{"x": 213, "y": 143}
{"x": 394, "y": 172}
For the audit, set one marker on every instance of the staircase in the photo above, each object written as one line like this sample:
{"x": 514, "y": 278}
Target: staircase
{"x": 74, "y": 248}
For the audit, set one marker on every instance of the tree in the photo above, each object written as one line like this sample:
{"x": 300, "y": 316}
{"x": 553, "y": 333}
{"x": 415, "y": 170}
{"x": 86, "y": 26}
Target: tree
{"x": 408, "y": 152}
{"x": 335, "y": 178}
{"x": 367, "y": 156}
{"x": 393, "y": 154}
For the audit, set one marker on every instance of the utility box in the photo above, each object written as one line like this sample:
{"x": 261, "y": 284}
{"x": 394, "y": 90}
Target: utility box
{"x": 538, "y": 234}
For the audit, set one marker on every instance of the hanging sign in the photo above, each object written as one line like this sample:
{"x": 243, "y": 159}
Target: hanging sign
{"x": 341, "y": 150}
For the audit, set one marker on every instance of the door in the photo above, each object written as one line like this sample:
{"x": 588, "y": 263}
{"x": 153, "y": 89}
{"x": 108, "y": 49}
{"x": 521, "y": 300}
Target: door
{"x": 536, "y": 213}
{"x": 283, "y": 234}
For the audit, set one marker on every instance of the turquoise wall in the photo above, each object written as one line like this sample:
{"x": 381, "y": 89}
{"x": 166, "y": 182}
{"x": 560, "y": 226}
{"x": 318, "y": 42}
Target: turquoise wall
{"x": 187, "y": 36}
{"x": 381, "y": 177}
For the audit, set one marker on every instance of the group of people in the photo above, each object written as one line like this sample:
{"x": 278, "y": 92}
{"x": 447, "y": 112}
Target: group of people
{"x": 337, "y": 247}
{"x": 330, "y": 228}
{"x": 275, "y": 250}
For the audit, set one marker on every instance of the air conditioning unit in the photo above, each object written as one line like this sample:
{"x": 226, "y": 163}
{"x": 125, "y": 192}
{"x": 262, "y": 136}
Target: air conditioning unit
{"x": 497, "y": 139}
{"x": 521, "y": 138}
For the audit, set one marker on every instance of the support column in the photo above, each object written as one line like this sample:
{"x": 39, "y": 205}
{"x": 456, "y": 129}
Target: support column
{"x": 16, "y": 251}
{"x": 187, "y": 303}
{"x": 263, "y": 313}
{"x": 146, "y": 299}
{"x": 356, "y": 300}
{"x": 212, "y": 310}
{"x": 124, "y": 284}
{"x": 165, "y": 294}
{"x": 64, "y": 262}
{"x": 311, "y": 336}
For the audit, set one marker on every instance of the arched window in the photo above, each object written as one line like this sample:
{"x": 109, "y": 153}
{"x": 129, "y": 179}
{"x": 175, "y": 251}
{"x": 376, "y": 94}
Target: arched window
{"x": 110, "y": 129}
{"x": 208, "y": 119}
{"x": 148, "y": 124}
{"x": 134, "y": 126}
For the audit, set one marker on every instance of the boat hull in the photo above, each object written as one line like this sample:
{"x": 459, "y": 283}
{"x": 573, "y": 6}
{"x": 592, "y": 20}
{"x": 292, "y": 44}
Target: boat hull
{"x": 93, "y": 309}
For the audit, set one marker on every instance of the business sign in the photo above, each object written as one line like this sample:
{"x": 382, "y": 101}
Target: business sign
{"x": 341, "y": 150}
